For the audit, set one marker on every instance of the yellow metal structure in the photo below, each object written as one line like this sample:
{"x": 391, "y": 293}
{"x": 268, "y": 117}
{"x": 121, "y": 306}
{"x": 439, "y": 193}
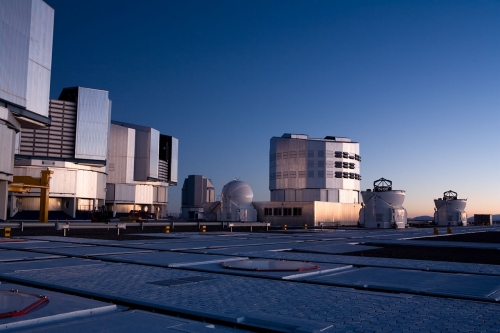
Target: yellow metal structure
{"x": 23, "y": 184}
{"x": 6, "y": 232}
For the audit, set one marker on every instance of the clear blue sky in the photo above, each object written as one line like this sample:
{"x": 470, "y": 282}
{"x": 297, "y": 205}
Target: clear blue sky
{"x": 417, "y": 83}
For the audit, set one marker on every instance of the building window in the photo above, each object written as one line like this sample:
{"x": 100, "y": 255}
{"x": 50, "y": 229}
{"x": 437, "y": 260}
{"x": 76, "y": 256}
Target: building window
{"x": 345, "y": 174}
{"x": 310, "y": 163}
{"x": 321, "y": 174}
{"x": 310, "y": 174}
{"x": 277, "y": 211}
{"x": 338, "y": 154}
{"x": 345, "y": 154}
{"x": 321, "y": 163}
{"x": 292, "y": 174}
{"x": 351, "y": 165}
{"x": 285, "y": 155}
{"x": 297, "y": 211}
{"x": 287, "y": 212}
{"x": 338, "y": 174}
{"x": 345, "y": 165}
{"x": 278, "y": 156}
{"x": 351, "y": 175}
{"x": 338, "y": 165}
{"x": 268, "y": 211}
{"x": 293, "y": 154}
{"x": 302, "y": 153}
{"x": 321, "y": 153}
{"x": 310, "y": 153}
{"x": 302, "y": 174}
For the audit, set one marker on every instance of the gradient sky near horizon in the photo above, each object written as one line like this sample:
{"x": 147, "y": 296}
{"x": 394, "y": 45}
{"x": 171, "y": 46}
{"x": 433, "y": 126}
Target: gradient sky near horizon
{"x": 417, "y": 83}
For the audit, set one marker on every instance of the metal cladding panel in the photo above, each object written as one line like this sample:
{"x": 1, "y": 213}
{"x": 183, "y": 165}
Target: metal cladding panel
{"x": 58, "y": 140}
{"x": 62, "y": 182}
{"x": 174, "y": 160}
{"x": 144, "y": 194}
{"x": 86, "y": 184}
{"x": 142, "y": 149}
{"x": 121, "y": 155}
{"x": 110, "y": 192}
{"x": 7, "y": 147}
{"x": 15, "y": 22}
{"x": 92, "y": 124}
{"x": 161, "y": 194}
{"x": 154, "y": 153}
{"x": 124, "y": 193}
{"x": 40, "y": 58}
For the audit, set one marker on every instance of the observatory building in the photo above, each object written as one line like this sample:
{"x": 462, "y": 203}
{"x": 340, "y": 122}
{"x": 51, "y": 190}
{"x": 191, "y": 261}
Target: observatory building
{"x": 197, "y": 192}
{"x": 25, "y": 65}
{"x": 383, "y": 206}
{"x": 236, "y": 203}
{"x": 449, "y": 210}
{"x": 142, "y": 165}
{"x": 74, "y": 147}
{"x": 312, "y": 181}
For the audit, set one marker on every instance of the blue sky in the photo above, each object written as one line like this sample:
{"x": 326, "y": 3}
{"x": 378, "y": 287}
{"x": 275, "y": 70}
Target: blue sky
{"x": 417, "y": 83}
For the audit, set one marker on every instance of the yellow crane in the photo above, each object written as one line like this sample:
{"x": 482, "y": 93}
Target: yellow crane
{"x": 24, "y": 184}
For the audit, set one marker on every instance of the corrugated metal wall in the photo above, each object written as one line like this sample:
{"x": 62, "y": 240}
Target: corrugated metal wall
{"x": 93, "y": 119}
{"x": 58, "y": 140}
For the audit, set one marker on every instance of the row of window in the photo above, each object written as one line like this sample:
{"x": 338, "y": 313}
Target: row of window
{"x": 313, "y": 174}
{"x": 330, "y": 164}
{"x": 314, "y": 153}
{"x": 283, "y": 211}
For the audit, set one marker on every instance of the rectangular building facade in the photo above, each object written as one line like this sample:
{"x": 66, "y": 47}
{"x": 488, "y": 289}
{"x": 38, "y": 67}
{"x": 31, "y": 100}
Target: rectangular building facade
{"x": 305, "y": 169}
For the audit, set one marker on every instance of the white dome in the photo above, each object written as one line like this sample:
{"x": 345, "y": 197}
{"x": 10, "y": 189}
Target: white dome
{"x": 238, "y": 192}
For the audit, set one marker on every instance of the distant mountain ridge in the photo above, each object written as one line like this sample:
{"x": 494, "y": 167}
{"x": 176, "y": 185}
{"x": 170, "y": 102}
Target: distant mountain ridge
{"x": 496, "y": 217}
{"x": 422, "y": 218}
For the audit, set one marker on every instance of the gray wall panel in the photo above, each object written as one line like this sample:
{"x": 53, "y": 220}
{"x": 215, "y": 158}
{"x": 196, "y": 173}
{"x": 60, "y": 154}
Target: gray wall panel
{"x": 26, "y": 30}
{"x": 154, "y": 153}
{"x": 174, "y": 160}
{"x": 93, "y": 117}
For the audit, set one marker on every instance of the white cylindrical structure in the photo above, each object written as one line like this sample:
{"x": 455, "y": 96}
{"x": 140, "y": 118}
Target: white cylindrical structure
{"x": 383, "y": 207}
{"x": 450, "y": 211}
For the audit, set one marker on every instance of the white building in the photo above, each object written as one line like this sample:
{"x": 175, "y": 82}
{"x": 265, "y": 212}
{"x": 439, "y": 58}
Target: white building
{"x": 382, "y": 207}
{"x": 449, "y": 210}
{"x": 26, "y": 30}
{"x": 74, "y": 147}
{"x": 142, "y": 165}
{"x": 303, "y": 171}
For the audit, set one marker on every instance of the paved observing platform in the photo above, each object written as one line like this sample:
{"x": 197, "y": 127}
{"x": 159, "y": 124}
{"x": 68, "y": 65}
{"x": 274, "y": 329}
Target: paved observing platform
{"x": 287, "y": 281}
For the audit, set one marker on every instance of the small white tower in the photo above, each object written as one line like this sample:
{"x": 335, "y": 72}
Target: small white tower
{"x": 450, "y": 210}
{"x": 236, "y": 203}
{"x": 382, "y": 206}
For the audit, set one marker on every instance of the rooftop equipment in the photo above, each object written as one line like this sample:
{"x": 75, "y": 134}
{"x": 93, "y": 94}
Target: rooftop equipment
{"x": 383, "y": 206}
{"x": 450, "y": 211}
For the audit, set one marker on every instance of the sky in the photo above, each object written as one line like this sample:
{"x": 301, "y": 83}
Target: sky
{"x": 416, "y": 83}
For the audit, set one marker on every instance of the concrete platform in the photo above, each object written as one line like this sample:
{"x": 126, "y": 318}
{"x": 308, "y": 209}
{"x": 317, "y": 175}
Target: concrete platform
{"x": 60, "y": 307}
{"x": 402, "y": 295}
{"x": 169, "y": 259}
{"x": 88, "y": 251}
{"x": 132, "y": 321}
{"x": 412, "y": 281}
